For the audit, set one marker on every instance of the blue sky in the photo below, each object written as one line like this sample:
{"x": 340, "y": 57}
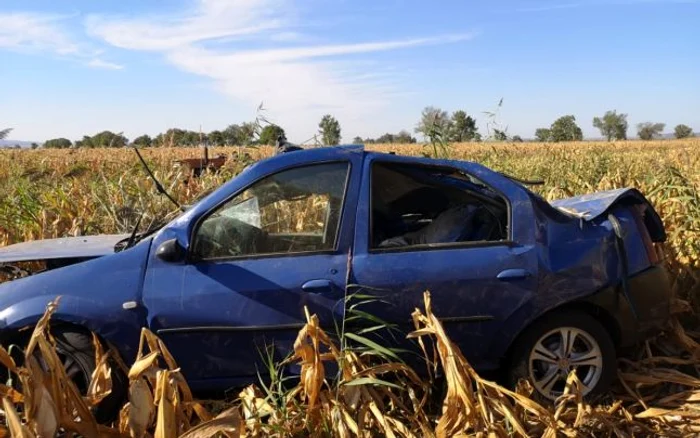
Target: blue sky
{"x": 74, "y": 68}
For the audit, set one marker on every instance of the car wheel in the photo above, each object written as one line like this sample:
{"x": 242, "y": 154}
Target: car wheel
{"x": 75, "y": 350}
{"x": 552, "y": 347}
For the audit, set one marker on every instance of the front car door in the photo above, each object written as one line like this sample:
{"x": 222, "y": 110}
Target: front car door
{"x": 276, "y": 243}
{"x": 406, "y": 243}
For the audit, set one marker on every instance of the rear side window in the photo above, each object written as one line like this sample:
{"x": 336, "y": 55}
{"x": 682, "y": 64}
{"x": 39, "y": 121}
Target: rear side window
{"x": 416, "y": 206}
{"x": 296, "y": 210}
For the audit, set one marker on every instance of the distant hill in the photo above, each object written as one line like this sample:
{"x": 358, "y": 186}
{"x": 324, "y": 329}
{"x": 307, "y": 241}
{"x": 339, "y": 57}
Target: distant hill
{"x": 11, "y": 143}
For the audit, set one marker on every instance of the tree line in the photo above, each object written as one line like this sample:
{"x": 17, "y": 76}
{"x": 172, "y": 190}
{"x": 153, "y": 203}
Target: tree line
{"x": 244, "y": 134}
{"x": 434, "y": 123}
{"x": 612, "y": 126}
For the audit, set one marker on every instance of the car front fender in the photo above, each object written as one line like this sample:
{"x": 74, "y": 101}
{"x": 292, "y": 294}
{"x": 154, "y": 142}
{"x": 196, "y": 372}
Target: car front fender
{"x": 119, "y": 329}
{"x": 102, "y": 295}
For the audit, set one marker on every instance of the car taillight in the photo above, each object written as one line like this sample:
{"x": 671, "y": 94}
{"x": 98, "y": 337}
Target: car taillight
{"x": 654, "y": 251}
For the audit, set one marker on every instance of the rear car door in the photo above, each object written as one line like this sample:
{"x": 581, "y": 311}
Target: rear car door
{"x": 406, "y": 243}
{"x": 275, "y": 246}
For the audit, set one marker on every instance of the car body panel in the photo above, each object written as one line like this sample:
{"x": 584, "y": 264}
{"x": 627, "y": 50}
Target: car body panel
{"x": 463, "y": 281}
{"x": 61, "y": 248}
{"x": 595, "y": 205}
{"x": 232, "y": 308}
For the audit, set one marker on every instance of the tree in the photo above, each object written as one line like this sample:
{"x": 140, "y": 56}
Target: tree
{"x": 404, "y": 137}
{"x": 216, "y": 138}
{"x": 143, "y": 141}
{"x": 543, "y": 134}
{"x": 648, "y": 130}
{"x": 171, "y": 137}
{"x": 34, "y": 145}
{"x": 107, "y": 139}
{"x": 463, "y": 127}
{"x": 4, "y": 133}
{"x": 243, "y": 134}
{"x": 357, "y": 140}
{"x": 232, "y": 133}
{"x": 683, "y": 131}
{"x": 517, "y": 139}
{"x": 269, "y": 134}
{"x": 58, "y": 143}
{"x": 434, "y": 122}
{"x": 500, "y": 135}
{"x": 329, "y": 128}
{"x": 191, "y": 138}
{"x": 86, "y": 142}
{"x": 565, "y": 129}
{"x": 612, "y": 125}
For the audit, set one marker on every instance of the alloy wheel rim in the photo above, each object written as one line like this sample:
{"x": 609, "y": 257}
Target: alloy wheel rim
{"x": 560, "y": 351}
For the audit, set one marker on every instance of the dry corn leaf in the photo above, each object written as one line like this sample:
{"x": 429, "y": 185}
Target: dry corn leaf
{"x": 141, "y": 365}
{"x": 101, "y": 381}
{"x": 141, "y": 409}
{"x": 14, "y": 424}
{"x": 42, "y": 413}
{"x": 6, "y": 360}
{"x": 11, "y": 393}
{"x": 228, "y": 423}
{"x": 73, "y": 411}
{"x": 166, "y": 426}
{"x": 41, "y": 328}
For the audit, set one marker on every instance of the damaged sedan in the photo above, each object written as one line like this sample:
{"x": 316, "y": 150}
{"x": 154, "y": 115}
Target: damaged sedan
{"x": 525, "y": 287}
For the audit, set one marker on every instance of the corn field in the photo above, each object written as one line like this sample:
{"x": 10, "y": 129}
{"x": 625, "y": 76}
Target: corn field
{"x": 55, "y": 193}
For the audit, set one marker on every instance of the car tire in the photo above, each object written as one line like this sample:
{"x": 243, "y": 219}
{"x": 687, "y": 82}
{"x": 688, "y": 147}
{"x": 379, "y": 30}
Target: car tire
{"x": 77, "y": 352}
{"x": 542, "y": 355}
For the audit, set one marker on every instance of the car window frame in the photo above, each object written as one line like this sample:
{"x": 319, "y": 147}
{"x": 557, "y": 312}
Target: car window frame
{"x": 508, "y": 242}
{"x": 193, "y": 258}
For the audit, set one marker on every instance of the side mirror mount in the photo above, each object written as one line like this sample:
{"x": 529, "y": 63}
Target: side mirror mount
{"x": 171, "y": 251}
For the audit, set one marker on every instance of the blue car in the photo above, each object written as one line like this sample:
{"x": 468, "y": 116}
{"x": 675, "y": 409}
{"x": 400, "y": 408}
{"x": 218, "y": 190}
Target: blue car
{"x": 530, "y": 288}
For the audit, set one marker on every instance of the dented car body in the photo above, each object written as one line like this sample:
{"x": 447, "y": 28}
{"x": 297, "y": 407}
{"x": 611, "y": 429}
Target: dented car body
{"x": 307, "y": 229}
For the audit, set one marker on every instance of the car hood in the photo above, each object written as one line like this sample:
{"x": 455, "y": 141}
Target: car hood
{"x": 66, "y": 247}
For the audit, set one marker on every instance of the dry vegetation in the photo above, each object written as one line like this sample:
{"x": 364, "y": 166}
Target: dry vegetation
{"x": 58, "y": 193}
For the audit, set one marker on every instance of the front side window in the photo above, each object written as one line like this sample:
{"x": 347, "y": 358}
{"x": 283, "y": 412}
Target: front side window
{"x": 296, "y": 210}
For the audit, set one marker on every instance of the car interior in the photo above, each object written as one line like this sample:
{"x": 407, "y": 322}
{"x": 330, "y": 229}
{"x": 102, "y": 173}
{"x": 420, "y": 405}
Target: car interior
{"x": 420, "y": 205}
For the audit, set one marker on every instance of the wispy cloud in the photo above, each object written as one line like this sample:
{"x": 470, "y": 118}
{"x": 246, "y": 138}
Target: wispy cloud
{"x": 287, "y": 36}
{"x": 26, "y": 32}
{"x": 296, "y": 83}
{"x": 99, "y": 63}
{"x": 35, "y": 33}
{"x": 208, "y": 20}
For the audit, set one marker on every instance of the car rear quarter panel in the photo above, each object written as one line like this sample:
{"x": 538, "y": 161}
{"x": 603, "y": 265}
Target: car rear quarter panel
{"x": 577, "y": 260}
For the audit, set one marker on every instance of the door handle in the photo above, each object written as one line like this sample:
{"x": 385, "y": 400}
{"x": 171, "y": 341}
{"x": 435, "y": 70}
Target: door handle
{"x": 317, "y": 286}
{"x": 513, "y": 274}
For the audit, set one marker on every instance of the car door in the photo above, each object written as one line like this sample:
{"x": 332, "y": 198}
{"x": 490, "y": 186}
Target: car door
{"x": 475, "y": 286}
{"x": 258, "y": 258}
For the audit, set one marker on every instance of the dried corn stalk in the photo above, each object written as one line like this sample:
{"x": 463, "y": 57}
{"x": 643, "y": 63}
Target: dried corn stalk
{"x": 658, "y": 394}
